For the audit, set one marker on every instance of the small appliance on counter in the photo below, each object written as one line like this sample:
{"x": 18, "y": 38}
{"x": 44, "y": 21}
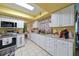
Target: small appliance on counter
{"x": 61, "y": 34}
{"x": 64, "y": 34}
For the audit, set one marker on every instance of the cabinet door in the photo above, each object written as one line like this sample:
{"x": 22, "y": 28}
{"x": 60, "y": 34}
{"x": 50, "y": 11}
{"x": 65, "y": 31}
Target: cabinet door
{"x": 72, "y": 16}
{"x": 64, "y": 48}
{"x": 58, "y": 49}
{"x": 70, "y": 48}
{"x": 19, "y": 42}
{"x": 52, "y": 46}
{"x": 23, "y": 40}
{"x": 58, "y": 24}
{"x": 70, "y": 51}
{"x": 35, "y": 38}
{"x": 54, "y": 20}
{"x": 32, "y": 36}
{"x": 61, "y": 48}
{"x": 72, "y": 20}
{"x": 46, "y": 43}
{"x": 65, "y": 17}
{"x": 43, "y": 42}
{"x": 39, "y": 40}
{"x": 68, "y": 16}
{"x": 60, "y": 21}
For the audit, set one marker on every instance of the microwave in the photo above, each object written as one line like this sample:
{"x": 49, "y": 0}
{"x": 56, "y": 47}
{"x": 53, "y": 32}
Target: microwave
{"x": 8, "y": 24}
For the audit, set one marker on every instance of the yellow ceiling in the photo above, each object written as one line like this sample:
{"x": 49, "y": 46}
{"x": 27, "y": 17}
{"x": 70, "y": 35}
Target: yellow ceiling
{"x": 52, "y": 7}
{"x": 47, "y": 8}
{"x": 7, "y": 10}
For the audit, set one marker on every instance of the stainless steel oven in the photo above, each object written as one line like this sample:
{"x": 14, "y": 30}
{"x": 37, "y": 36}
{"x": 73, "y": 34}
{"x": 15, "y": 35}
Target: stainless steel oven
{"x": 9, "y": 49}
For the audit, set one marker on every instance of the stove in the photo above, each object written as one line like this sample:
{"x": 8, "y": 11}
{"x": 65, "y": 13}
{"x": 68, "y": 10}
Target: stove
{"x": 8, "y": 49}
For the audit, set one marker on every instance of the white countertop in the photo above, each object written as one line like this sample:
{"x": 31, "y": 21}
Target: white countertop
{"x": 8, "y": 36}
{"x": 56, "y": 37}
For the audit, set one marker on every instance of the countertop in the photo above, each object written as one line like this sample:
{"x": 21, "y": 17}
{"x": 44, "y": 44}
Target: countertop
{"x": 63, "y": 39}
{"x": 7, "y": 36}
{"x": 56, "y": 37}
{"x": 1, "y": 37}
{"x": 10, "y": 35}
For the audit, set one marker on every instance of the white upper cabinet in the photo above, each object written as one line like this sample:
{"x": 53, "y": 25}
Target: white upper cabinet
{"x": 20, "y": 24}
{"x": 68, "y": 16}
{"x": 54, "y": 20}
{"x": 64, "y": 17}
{"x": 35, "y": 24}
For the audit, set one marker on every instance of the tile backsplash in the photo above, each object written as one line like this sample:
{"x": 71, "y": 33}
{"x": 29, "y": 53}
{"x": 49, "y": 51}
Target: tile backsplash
{"x": 4, "y": 30}
{"x": 70, "y": 29}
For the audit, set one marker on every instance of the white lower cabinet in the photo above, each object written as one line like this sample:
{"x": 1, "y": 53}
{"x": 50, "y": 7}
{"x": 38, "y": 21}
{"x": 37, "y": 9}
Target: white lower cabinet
{"x": 65, "y": 50}
{"x": 54, "y": 46}
{"x": 20, "y": 40}
{"x": 46, "y": 43}
{"x": 70, "y": 49}
{"x": 58, "y": 51}
{"x": 58, "y": 48}
{"x": 61, "y": 48}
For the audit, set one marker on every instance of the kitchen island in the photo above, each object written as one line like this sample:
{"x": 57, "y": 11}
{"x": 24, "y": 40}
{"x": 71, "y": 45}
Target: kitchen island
{"x": 54, "y": 45}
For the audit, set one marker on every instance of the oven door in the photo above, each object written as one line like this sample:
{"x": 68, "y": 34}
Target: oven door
{"x": 7, "y": 42}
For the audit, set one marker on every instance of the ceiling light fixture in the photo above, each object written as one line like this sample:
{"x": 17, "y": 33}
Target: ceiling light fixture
{"x": 25, "y": 5}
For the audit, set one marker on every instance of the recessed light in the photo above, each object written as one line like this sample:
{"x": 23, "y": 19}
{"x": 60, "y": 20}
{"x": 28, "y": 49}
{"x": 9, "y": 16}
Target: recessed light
{"x": 25, "y": 5}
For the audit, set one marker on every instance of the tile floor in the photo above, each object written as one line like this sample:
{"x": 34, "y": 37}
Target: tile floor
{"x": 30, "y": 49}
